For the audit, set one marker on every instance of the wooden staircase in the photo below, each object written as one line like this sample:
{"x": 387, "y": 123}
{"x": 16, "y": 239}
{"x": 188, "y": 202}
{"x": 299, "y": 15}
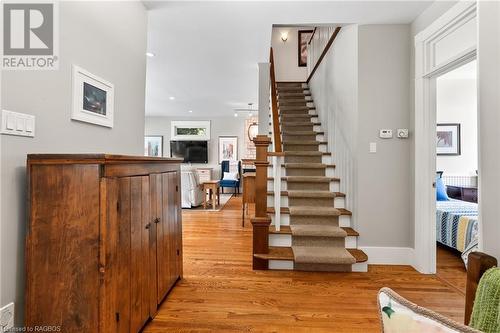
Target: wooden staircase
{"x": 311, "y": 230}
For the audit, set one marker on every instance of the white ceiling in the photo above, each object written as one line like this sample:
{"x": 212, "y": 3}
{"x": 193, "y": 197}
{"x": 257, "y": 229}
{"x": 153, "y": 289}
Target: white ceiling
{"x": 206, "y": 53}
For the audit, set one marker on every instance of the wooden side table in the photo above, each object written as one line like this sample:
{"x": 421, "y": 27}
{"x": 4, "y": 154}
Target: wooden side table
{"x": 213, "y": 190}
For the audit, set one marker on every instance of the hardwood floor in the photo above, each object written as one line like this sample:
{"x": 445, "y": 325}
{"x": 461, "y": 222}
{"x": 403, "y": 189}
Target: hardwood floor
{"x": 221, "y": 293}
{"x": 451, "y": 268}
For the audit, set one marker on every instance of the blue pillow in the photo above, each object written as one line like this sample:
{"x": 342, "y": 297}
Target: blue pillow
{"x": 441, "y": 190}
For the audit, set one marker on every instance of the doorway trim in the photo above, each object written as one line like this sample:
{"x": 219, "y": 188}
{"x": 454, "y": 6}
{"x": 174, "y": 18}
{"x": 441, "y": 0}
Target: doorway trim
{"x": 446, "y": 44}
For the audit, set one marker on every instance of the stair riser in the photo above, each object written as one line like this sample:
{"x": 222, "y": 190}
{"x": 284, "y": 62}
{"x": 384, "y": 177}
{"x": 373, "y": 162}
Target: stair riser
{"x": 300, "y": 137}
{"x": 285, "y": 240}
{"x": 333, "y": 186}
{"x": 285, "y": 201}
{"x": 343, "y": 220}
{"x": 318, "y": 241}
{"x": 296, "y": 110}
{"x": 305, "y": 159}
{"x": 325, "y": 159}
{"x": 291, "y": 84}
{"x": 315, "y": 202}
{"x": 288, "y": 265}
{"x": 318, "y": 137}
{"x": 328, "y": 172}
{"x": 306, "y": 106}
{"x": 298, "y": 147}
{"x": 305, "y": 172}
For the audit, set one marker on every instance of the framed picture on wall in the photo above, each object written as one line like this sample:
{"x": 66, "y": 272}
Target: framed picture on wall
{"x": 304, "y": 36}
{"x": 448, "y": 139}
{"x": 153, "y": 145}
{"x": 228, "y": 148}
{"x": 93, "y": 98}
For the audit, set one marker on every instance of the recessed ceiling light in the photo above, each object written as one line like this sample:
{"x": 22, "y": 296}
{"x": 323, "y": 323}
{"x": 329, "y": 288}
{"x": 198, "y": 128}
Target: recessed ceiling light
{"x": 235, "y": 114}
{"x": 171, "y": 98}
{"x": 190, "y": 111}
{"x": 149, "y": 54}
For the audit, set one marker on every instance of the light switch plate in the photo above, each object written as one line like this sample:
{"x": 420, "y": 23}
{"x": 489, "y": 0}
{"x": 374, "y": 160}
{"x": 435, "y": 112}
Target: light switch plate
{"x": 385, "y": 133}
{"x": 7, "y": 317}
{"x": 15, "y": 123}
{"x": 402, "y": 133}
{"x": 373, "y": 147}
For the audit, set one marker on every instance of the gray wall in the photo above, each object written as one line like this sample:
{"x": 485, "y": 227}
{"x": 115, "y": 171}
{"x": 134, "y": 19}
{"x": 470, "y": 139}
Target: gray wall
{"x": 107, "y": 39}
{"x": 384, "y": 177}
{"x": 220, "y": 126}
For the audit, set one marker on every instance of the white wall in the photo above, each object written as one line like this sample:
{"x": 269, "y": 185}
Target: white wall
{"x": 108, "y": 39}
{"x": 457, "y": 103}
{"x": 286, "y": 54}
{"x": 489, "y": 118}
{"x": 334, "y": 88}
{"x": 220, "y": 126}
{"x": 362, "y": 86}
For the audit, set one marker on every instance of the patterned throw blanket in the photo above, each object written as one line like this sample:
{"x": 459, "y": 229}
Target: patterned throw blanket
{"x": 457, "y": 226}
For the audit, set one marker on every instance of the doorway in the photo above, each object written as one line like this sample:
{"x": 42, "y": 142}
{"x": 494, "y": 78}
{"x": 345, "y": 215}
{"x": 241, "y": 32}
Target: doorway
{"x": 456, "y": 172}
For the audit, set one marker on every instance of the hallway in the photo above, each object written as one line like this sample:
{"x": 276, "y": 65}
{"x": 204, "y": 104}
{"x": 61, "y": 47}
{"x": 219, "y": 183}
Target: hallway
{"x": 221, "y": 293}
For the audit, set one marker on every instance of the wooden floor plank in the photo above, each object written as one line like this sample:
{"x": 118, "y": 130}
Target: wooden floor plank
{"x": 221, "y": 293}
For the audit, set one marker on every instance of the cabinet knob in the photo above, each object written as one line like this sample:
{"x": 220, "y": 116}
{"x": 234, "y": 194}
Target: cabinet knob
{"x": 102, "y": 269}
{"x": 148, "y": 225}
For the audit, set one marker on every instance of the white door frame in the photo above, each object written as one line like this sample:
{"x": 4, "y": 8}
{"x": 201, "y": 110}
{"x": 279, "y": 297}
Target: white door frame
{"x": 438, "y": 49}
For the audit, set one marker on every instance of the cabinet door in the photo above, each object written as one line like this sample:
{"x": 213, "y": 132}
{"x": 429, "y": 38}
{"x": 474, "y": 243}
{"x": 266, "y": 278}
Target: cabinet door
{"x": 140, "y": 225}
{"x": 155, "y": 184}
{"x": 126, "y": 245}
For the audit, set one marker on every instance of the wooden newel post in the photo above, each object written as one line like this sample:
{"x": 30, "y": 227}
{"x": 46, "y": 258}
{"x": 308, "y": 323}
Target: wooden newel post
{"x": 261, "y": 221}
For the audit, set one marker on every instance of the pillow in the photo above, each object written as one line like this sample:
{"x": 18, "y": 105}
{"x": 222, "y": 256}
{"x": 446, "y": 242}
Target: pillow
{"x": 230, "y": 176}
{"x": 441, "y": 194}
{"x": 485, "y": 312}
{"x": 398, "y": 315}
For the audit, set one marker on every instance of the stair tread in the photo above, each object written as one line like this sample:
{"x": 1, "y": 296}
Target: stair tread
{"x": 319, "y": 179}
{"x": 309, "y": 194}
{"x": 307, "y": 115}
{"x": 298, "y": 124}
{"x": 304, "y": 142}
{"x": 303, "y": 132}
{"x": 286, "y": 253}
{"x": 305, "y": 165}
{"x": 306, "y": 153}
{"x": 313, "y": 211}
{"x": 285, "y": 230}
{"x": 286, "y": 210}
{"x": 322, "y": 255}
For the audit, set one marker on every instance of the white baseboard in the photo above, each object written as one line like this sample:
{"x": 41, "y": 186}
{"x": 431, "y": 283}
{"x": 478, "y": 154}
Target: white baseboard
{"x": 389, "y": 255}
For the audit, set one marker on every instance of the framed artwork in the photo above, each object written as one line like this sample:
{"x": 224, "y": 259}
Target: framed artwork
{"x": 153, "y": 145}
{"x": 93, "y": 98}
{"x": 304, "y": 36}
{"x": 448, "y": 139}
{"x": 228, "y": 148}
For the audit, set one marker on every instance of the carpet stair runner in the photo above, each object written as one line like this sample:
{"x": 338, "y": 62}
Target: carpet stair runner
{"x": 314, "y": 229}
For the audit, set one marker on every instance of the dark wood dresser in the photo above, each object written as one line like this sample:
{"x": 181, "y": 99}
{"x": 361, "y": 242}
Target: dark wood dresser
{"x": 104, "y": 240}
{"x": 462, "y": 193}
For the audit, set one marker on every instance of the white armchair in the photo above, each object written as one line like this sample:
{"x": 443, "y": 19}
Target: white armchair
{"x": 191, "y": 191}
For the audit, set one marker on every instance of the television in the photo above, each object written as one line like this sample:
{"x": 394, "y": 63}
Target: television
{"x": 190, "y": 151}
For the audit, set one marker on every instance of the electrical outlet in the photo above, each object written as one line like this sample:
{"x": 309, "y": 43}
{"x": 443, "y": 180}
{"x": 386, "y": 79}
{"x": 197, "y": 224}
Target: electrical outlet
{"x": 7, "y": 317}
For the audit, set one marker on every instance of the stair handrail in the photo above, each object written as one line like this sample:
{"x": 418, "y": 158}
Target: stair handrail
{"x": 278, "y": 147}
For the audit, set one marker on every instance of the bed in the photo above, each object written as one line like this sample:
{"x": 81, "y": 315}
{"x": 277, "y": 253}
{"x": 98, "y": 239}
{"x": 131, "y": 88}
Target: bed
{"x": 457, "y": 225}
